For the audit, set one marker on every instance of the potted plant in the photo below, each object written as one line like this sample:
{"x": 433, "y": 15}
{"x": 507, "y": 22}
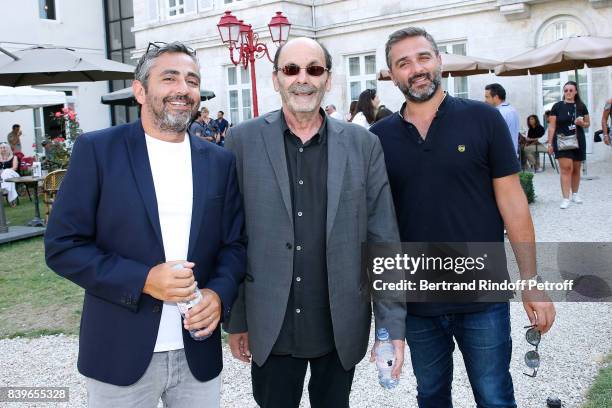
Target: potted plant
{"x": 59, "y": 141}
{"x": 526, "y": 179}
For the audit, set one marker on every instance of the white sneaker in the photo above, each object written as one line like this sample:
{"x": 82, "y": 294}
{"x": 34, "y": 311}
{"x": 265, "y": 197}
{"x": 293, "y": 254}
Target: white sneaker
{"x": 576, "y": 198}
{"x": 564, "y": 204}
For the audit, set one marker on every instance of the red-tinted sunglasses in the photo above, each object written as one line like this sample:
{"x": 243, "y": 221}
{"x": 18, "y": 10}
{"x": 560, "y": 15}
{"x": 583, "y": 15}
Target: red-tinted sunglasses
{"x": 294, "y": 69}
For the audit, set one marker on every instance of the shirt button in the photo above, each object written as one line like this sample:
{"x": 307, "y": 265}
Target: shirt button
{"x": 298, "y": 311}
{"x": 299, "y": 247}
{"x": 298, "y": 279}
{"x": 301, "y": 182}
{"x": 301, "y": 149}
{"x": 299, "y": 213}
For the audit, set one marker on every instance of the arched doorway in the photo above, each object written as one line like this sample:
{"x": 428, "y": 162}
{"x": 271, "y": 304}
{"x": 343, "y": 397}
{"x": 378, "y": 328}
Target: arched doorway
{"x": 551, "y": 85}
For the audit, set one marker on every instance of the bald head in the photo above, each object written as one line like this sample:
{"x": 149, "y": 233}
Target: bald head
{"x": 300, "y": 45}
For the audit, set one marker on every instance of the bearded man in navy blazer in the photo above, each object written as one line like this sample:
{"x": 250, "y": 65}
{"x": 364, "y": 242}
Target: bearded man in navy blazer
{"x": 138, "y": 200}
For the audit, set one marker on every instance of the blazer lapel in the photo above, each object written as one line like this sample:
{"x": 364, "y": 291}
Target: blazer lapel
{"x": 201, "y": 172}
{"x": 336, "y": 166}
{"x": 275, "y": 147}
{"x": 139, "y": 161}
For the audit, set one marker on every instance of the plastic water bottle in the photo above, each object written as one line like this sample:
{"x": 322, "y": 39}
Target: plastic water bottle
{"x": 385, "y": 358}
{"x": 36, "y": 169}
{"x": 184, "y": 307}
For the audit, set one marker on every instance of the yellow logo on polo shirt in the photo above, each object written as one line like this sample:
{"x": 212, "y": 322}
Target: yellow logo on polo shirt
{"x": 461, "y": 148}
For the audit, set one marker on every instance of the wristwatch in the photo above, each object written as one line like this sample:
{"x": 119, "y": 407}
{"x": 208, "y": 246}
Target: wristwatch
{"x": 536, "y": 278}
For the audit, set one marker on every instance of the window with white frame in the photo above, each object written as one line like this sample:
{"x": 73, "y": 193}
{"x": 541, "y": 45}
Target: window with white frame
{"x": 456, "y": 86}
{"x": 176, "y": 7}
{"x": 552, "y": 84}
{"x": 240, "y": 105}
{"x": 361, "y": 74}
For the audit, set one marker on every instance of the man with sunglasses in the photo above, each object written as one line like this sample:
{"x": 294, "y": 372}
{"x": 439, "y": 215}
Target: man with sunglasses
{"x": 314, "y": 189}
{"x": 454, "y": 178}
{"x": 146, "y": 216}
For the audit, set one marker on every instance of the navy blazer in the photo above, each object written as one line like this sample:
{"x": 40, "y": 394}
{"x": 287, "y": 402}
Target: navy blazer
{"x": 104, "y": 235}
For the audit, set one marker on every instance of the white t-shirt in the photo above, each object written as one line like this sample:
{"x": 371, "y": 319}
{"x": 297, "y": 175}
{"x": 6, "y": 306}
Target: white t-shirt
{"x": 173, "y": 180}
{"x": 361, "y": 120}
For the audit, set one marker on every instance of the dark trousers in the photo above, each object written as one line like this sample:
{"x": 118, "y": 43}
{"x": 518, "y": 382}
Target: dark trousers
{"x": 279, "y": 382}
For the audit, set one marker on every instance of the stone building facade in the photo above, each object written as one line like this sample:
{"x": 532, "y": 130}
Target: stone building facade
{"x": 355, "y": 32}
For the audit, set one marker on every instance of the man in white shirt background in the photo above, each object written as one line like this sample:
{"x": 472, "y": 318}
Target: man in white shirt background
{"x": 332, "y": 112}
{"x": 495, "y": 95}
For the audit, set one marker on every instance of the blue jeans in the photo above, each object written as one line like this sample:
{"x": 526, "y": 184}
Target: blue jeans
{"x": 484, "y": 340}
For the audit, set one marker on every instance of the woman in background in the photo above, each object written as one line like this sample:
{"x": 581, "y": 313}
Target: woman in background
{"x": 569, "y": 117}
{"x": 352, "y": 111}
{"x": 532, "y": 145}
{"x": 8, "y": 169}
{"x": 367, "y": 105}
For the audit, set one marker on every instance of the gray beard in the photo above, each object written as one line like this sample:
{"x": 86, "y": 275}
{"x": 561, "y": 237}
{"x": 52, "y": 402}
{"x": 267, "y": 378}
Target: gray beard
{"x": 316, "y": 104}
{"x": 171, "y": 123}
{"x": 425, "y": 95}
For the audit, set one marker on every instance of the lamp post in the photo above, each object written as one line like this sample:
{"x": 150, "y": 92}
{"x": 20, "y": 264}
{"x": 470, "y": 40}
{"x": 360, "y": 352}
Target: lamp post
{"x": 239, "y": 36}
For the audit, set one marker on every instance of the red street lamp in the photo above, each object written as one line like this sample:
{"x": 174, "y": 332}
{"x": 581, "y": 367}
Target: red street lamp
{"x": 279, "y": 28}
{"x": 238, "y": 35}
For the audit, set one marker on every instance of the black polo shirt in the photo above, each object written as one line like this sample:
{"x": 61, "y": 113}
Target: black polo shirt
{"x": 307, "y": 330}
{"x": 442, "y": 185}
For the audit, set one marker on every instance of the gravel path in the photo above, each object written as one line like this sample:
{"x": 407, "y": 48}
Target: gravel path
{"x": 571, "y": 353}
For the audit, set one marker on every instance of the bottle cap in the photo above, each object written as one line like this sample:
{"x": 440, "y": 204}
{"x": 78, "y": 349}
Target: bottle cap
{"x": 382, "y": 334}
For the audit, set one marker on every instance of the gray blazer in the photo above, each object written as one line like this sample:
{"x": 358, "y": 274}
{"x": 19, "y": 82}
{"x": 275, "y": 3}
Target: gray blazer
{"x": 359, "y": 209}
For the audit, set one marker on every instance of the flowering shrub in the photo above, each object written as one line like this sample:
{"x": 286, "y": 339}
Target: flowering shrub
{"x": 58, "y": 146}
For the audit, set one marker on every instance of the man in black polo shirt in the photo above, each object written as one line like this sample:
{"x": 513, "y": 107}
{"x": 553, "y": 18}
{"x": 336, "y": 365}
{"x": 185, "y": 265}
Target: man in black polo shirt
{"x": 454, "y": 179}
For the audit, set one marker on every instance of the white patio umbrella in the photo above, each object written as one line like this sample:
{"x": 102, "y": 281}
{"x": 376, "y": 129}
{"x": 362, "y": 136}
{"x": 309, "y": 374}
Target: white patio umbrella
{"x": 50, "y": 65}
{"x": 571, "y": 53}
{"x": 26, "y": 97}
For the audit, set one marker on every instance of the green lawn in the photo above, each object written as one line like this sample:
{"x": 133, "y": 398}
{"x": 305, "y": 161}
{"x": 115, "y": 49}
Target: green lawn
{"x": 24, "y": 212}
{"x": 600, "y": 394}
{"x": 33, "y": 300}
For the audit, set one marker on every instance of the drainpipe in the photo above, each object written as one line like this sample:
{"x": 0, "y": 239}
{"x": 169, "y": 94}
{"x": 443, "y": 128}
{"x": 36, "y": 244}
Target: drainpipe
{"x": 314, "y": 28}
